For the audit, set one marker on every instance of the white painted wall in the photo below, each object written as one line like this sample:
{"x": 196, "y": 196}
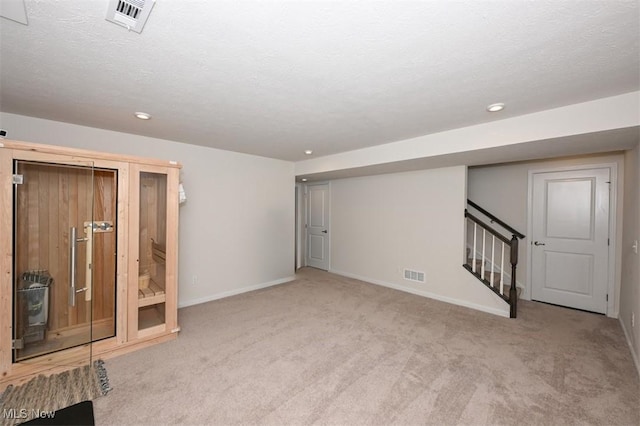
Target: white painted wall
{"x": 237, "y": 226}
{"x": 630, "y": 286}
{"x": 502, "y": 190}
{"x": 383, "y": 224}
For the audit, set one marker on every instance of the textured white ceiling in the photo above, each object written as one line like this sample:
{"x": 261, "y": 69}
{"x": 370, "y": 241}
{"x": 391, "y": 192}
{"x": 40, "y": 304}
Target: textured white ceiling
{"x": 276, "y": 78}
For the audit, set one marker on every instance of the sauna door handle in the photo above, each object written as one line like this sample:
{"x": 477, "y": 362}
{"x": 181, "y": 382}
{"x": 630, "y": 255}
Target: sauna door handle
{"x": 73, "y": 251}
{"x": 73, "y": 242}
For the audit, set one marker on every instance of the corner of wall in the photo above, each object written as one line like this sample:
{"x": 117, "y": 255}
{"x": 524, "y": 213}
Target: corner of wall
{"x": 634, "y": 355}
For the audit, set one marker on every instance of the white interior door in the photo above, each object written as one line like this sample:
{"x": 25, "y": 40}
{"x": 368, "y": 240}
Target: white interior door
{"x": 318, "y": 224}
{"x": 570, "y": 233}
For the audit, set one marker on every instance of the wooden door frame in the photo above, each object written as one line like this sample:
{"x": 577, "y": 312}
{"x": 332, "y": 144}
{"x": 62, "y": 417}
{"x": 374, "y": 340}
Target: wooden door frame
{"x": 300, "y": 231}
{"x": 7, "y": 156}
{"x": 612, "y": 302}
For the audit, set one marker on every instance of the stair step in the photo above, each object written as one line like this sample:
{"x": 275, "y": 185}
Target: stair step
{"x": 478, "y": 263}
{"x": 496, "y": 284}
{"x": 496, "y": 278}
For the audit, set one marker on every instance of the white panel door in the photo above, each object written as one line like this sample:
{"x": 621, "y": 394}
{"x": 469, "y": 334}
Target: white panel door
{"x": 570, "y": 232}
{"x": 318, "y": 235}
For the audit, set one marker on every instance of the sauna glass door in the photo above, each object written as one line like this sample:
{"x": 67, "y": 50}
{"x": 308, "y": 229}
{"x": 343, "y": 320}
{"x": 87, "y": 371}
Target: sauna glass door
{"x": 64, "y": 259}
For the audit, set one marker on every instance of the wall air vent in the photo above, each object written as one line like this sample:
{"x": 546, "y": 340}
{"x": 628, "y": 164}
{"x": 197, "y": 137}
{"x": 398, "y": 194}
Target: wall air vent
{"x": 131, "y": 14}
{"x": 414, "y": 275}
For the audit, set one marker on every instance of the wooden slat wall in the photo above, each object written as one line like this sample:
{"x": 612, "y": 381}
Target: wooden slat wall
{"x": 153, "y": 222}
{"x": 161, "y": 225}
{"x": 161, "y": 230}
{"x": 104, "y": 246}
{"x": 148, "y": 209}
{"x": 53, "y": 199}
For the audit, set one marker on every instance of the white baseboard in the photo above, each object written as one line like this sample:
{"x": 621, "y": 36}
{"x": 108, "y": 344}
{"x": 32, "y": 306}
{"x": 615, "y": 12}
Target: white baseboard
{"x": 428, "y": 294}
{"x": 634, "y": 355}
{"x": 184, "y": 304}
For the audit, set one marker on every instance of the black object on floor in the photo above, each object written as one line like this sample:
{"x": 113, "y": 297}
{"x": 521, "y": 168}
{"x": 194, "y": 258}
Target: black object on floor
{"x": 80, "y": 414}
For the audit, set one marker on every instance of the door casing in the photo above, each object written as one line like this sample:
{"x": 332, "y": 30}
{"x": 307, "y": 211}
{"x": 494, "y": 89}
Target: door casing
{"x": 612, "y": 305}
{"x": 307, "y": 212}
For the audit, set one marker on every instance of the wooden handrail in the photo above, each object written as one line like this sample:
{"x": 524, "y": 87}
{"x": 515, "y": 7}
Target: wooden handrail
{"x": 487, "y": 227}
{"x": 513, "y": 255}
{"x": 496, "y": 220}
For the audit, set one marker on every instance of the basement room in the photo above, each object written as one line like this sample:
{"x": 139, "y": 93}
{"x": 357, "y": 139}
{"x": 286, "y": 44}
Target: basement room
{"x": 319, "y": 212}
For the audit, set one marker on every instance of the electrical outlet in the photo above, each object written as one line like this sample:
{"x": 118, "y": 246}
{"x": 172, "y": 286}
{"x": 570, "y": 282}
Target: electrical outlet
{"x": 195, "y": 280}
{"x": 635, "y": 246}
{"x": 633, "y": 319}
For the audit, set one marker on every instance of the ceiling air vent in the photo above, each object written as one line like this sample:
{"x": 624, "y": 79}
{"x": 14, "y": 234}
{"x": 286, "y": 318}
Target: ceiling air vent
{"x": 131, "y": 14}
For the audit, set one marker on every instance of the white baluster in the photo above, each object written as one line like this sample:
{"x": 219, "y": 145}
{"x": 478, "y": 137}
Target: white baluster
{"x": 484, "y": 238}
{"x": 493, "y": 263}
{"x": 502, "y": 270}
{"x": 473, "y": 254}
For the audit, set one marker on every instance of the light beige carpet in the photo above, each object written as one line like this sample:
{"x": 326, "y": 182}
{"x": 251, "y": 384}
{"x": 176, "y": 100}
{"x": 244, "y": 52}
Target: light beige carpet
{"x": 325, "y": 349}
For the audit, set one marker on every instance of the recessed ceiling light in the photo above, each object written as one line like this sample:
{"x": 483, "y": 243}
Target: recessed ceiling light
{"x": 308, "y": 152}
{"x": 142, "y": 115}
{"x": 304, "y": 179}
{"x": 495, "y": 107}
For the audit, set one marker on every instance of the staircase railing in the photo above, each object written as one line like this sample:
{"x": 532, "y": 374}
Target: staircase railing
{"x": 481, "y": 250}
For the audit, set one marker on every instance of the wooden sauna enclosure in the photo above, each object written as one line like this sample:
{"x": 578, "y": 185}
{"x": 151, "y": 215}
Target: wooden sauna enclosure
{"x": 51, "y": 200}
{"x": 90, "y": 266}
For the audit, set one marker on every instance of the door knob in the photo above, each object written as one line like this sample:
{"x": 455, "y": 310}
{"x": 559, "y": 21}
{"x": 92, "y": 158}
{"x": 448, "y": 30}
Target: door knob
{"x": 538, "y": 243}
{"x": 324, "y": 232}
